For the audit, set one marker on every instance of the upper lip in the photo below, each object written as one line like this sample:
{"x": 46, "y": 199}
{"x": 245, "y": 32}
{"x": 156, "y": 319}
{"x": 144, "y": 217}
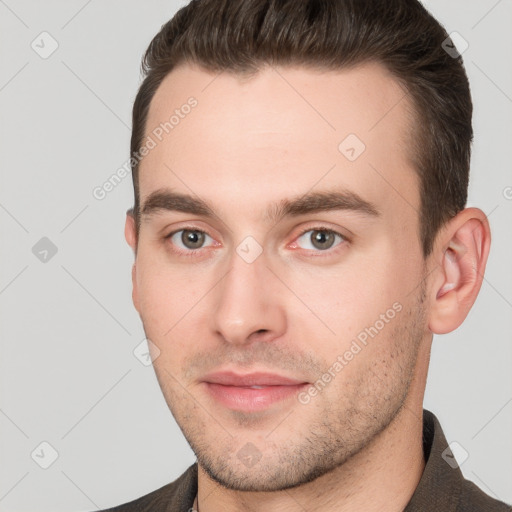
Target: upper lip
{"x": 250, "y": 379}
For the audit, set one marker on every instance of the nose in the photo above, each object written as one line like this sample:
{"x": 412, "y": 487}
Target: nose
{"x": 248, "y": 303}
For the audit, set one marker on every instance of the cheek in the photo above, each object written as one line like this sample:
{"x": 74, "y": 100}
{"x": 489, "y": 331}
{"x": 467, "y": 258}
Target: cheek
{"x": 166, "y": 295}
{"x": 351, "y": 296}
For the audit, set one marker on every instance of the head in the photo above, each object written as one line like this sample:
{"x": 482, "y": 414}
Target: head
{"x": 303, "y": 214}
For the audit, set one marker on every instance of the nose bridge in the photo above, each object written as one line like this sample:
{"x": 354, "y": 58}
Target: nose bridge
{"x": 247, "y": 301}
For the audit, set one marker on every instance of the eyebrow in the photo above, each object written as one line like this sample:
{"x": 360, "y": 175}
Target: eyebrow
{"x": 311, "y": 202}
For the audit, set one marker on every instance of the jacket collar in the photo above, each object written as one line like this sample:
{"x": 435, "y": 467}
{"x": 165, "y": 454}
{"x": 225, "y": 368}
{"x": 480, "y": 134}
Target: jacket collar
{"x": 441, "y": 482}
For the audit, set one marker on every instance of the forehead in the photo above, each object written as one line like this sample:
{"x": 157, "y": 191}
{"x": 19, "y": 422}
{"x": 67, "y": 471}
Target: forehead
{"x": 280, "y": 133}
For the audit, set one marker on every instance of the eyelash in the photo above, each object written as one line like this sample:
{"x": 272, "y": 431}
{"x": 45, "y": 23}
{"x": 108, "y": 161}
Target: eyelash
{"x": 193, "y": 252}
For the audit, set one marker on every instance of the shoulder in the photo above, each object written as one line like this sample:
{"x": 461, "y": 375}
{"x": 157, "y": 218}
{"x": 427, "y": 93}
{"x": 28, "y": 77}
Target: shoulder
{"x": 473, "y": 498}
{"x": 442, "y": 485}
{"x": 176, "y": 496}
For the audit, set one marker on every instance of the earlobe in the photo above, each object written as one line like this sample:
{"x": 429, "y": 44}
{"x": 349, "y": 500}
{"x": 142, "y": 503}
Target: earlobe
{"x": 131, "y": 238}
{"x": 130, "y": 231}
{"x": 462, "y": 255}
{"x": 135, "y": 295}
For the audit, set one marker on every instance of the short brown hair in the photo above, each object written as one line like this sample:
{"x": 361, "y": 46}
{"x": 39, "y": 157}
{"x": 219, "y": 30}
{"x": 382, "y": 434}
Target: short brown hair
{"x": 240, "y": 36}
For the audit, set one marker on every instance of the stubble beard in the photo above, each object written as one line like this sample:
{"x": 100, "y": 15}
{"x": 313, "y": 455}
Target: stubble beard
{"x": 335, "y": 432}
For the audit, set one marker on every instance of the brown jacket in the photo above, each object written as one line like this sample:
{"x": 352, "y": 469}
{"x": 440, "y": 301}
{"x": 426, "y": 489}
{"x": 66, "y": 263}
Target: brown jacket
{"x": 442, "y": 488}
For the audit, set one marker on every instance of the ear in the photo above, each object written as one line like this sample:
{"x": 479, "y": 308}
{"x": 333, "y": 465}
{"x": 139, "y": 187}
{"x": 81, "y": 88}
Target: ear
{"x": 130, "y": 234}
{"x": 460, "y": 252}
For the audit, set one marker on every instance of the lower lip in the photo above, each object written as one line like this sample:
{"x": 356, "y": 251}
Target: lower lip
{"x": 249, "y": 399}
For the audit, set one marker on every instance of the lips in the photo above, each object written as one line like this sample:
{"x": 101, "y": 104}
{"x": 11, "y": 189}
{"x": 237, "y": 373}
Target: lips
{"x": 261, "y": 379}
{"x": 251, "y": 392}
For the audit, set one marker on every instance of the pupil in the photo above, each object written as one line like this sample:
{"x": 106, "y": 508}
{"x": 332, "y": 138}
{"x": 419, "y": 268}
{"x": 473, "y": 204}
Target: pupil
{"x": 322, "y": 239}
{"x": 192, "y": 239}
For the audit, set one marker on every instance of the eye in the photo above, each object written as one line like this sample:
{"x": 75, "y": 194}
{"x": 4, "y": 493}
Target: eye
{"x": 189, "y": 239}
{"x": 320, "y": 238}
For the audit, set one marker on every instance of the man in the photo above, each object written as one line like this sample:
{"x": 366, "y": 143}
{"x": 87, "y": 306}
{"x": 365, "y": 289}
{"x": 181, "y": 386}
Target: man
{"x": 300, "y": 233}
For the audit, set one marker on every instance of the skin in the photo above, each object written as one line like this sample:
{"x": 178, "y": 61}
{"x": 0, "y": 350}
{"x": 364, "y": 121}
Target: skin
{"x": 356, "y": 445}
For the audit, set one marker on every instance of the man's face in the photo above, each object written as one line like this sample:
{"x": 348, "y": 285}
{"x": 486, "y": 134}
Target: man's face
{"x": 325, "y": 293}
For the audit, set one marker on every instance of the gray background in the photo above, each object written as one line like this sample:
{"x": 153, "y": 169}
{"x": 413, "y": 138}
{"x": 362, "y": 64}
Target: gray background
{"x": 69, "y": 376}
